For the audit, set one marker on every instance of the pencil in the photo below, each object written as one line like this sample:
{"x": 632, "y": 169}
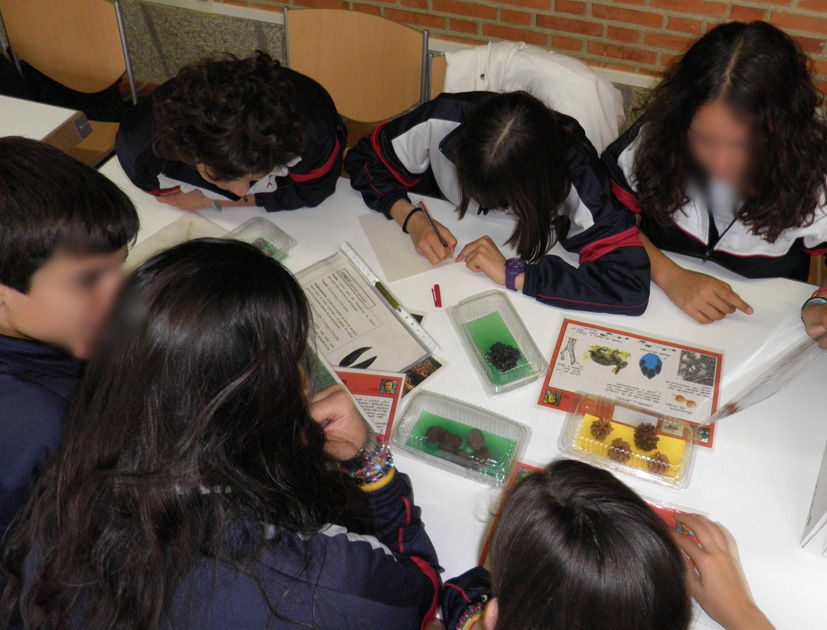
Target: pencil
{"x": 431, "y": 221}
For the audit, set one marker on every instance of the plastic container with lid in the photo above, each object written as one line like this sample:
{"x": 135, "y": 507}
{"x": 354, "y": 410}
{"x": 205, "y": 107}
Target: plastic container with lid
{"x": 630, "y": 439}
{"x": 269, "y": 238}
{"x": 501, "y": 349}
{"x": 460, "y": 438}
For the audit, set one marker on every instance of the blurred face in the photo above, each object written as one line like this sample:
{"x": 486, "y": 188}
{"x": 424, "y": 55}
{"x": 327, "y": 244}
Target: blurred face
{"x": 238, "y": 187}
{"x": 68, "y": 302}
{"x": 720, "y": 142}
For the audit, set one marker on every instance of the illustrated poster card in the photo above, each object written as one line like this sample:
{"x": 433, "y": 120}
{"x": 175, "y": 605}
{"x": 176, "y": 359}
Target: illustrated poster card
{"x": 667, "y": 377}
{"x": 377, "y": 393}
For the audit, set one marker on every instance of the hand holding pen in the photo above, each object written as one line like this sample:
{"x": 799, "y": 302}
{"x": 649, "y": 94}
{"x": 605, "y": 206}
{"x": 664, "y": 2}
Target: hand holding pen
{"x": 431, "y": 239}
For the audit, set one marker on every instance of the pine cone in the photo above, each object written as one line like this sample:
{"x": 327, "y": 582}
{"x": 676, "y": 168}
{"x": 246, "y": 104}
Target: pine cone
{"x": 620, "y": 451}
{"x": 646, "y": 437}
{"x": 600, "y": 429}
{"x": 659, "y": 464}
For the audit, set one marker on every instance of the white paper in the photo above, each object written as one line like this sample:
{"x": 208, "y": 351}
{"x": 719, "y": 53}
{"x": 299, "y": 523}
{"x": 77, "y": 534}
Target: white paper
{"x": 190, "y": 226}
{"x": 394, "y": 248}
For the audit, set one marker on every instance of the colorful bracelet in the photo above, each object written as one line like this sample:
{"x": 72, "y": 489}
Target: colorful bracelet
{"x": 814, "y": 301}
{"x": 408, "y": 218}
{"x": 372, "y": 470}
{"x": 817, "y": 291}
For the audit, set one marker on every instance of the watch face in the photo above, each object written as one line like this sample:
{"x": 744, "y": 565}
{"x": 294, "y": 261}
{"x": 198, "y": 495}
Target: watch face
{"x": 515, "y": 263}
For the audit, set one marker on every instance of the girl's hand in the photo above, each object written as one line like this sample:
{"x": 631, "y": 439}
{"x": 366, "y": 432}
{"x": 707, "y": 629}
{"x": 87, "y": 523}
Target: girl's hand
{"x": 344, "y": 428}
{"x": 815, "y": 321}
{"x": 427, "y": 242}
{"x": 717, "y": 580}
{"x": 704, "y": 298}
{"x": 189, "y": 202}
{"x": 482, "y": 256}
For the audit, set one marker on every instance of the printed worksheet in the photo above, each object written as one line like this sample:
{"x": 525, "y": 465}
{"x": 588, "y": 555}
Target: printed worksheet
{"x": 354, "y": 327}
{"x": 667, "y": 377}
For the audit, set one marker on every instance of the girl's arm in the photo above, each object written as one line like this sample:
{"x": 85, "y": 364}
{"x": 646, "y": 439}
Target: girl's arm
{"x": 702, "y": 297}
{"x": 814, "y": 316}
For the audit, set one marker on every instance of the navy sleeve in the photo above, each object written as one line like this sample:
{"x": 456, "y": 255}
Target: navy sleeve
{"x": 312, "y": 180}
{"x": 465, "y": 597}
{"x": 133, "y": 146}
{"x": 613, "y": 275}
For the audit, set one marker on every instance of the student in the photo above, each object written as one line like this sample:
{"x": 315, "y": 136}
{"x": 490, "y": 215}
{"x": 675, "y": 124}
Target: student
{"x": 199, "y": 486}
{"x": 485, "y": 151}
{"x": 728, "y": 163}
{"x": 64, "y": 229}
{"x": 235, "y": 132}
{"x": 577, "y": 548}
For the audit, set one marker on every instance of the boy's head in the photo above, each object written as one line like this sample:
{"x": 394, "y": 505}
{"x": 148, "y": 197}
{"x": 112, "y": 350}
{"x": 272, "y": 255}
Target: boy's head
{"x": 577, "y": 548}
{"x": 64, "y": 229}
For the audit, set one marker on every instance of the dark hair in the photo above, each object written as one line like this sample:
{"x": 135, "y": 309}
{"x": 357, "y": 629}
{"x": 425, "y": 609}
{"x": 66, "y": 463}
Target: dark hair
{"x": 577, "y": 548}
{"x": 49, "y": 202}
{"x": 191, "y": 429}
{"x": 237, "y": 117}
{"x": 760, "y": 71}
{"x": 511, "y": 153}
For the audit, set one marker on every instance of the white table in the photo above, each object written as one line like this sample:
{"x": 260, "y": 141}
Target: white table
{"x": 58, "y": 126}
{"x": 758, "y": 481}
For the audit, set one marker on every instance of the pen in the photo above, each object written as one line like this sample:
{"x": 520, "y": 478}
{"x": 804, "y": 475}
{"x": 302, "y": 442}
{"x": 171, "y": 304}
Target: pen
{"x": 437, "y": 296}
{"x": 431, "y": 221}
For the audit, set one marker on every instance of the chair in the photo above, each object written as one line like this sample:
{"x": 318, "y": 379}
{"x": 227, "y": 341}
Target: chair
{"x": 81, "y": 44}
{"x": 373, "y": 68}
{"x": 436, "y": 77}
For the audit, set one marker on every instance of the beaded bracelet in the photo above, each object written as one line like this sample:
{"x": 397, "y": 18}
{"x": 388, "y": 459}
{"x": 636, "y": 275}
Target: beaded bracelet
{"x": 408, "y": 218}
{"x": 375, "y": 468}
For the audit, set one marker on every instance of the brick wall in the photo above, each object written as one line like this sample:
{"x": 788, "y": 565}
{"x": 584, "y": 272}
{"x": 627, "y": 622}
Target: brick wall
{"x": 639, "y": 36}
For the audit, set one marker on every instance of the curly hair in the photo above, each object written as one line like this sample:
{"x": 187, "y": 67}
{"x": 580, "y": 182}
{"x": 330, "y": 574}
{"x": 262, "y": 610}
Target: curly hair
{"x": 237, "y": 117}
{"x": 762, "y": 72}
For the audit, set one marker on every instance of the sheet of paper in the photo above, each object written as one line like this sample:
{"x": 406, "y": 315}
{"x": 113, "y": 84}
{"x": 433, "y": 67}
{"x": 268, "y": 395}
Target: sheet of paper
{"x": 190, "y": 226}
{"x": 394, "y": 249}
{"x": 378, "y": 393}
{"x": 354, "y": 327}
{"x": 667, "y": 377}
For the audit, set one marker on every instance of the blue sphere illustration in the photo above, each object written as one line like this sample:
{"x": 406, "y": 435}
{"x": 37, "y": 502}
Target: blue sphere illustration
{"x": 650, "y": 365}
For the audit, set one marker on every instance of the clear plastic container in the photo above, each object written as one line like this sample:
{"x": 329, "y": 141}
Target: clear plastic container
{"x": 503, "y": 353}
{"x": 629, "y": 439}
{"x": 266, "y": 236}
{"x": 460, "y": 438}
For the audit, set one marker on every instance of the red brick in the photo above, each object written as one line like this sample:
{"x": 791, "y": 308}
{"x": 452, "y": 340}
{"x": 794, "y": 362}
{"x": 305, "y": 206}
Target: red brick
{"x": 624, "y": 53}
{"x": 569, "y": 6}
{"x": 695, "y": 7}
{"x": 418, "y": 19}
{"x": 415, "y": 4}
{"x": 811, "y": 46}
{"x": 800, "y": 23}
{"x": 667, "y": 60}
{"x": 669, "y": 42}
{"x": 652, "y": 20}
{"x": 465, "y": 8}
{"x": 515, "y": 34}
{"x": 366, "y": 8}
{"x": 745, "y": 14}
{"x": 569, "y": 44}
{"x": 776, "y": 3}
{"x": 463, "y": 26}
{"x": 570, "y": 26}
{"x": 623, "y": 35}
{"x": 637, "y": 2}
{"x": 322, "y": 4}
{"x": 619, "y": 66}
{"x": 652, "y": 73}
{"x": 682, "y": 25}
{"x": 519, "y": 18}
{"x": 461, "y": 40}
{"x": 540, "y": 5}
{"x": 820, "y": 66}
{"x": 811, "y": 5}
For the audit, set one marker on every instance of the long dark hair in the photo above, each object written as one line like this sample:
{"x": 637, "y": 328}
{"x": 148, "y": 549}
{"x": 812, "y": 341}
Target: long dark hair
{"x": 238, "y": 117}
{"x": 190, "y": 429}
{"x": 511, "y": 153}
{"x": 762, "y": 72}
{"x": 576, "y": 548}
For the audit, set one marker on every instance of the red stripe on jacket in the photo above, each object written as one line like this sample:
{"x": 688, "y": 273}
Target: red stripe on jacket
{"x": 598, "y": 249}
{"x": 426, "y": 568}
{"x": 319, "y": 172}
{"x": 374, "y": 142}
{"x": 626, "y": 198}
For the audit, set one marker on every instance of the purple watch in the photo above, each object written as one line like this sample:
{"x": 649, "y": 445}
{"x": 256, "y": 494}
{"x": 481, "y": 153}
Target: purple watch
{"x": 513, "y": 268}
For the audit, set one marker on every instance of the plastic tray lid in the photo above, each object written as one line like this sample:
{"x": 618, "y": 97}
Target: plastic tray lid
{"x": 505, "y": 439}
{"x": 266, "y": 236}
{"x": 606, "y": 433}
{"x": 490, "y": 330}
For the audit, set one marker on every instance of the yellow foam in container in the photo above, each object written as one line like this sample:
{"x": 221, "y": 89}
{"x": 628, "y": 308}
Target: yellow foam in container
{"x": 672, "y": 447}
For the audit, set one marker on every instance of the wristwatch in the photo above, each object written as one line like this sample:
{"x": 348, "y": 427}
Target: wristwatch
{"x": 513, "y": 268}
